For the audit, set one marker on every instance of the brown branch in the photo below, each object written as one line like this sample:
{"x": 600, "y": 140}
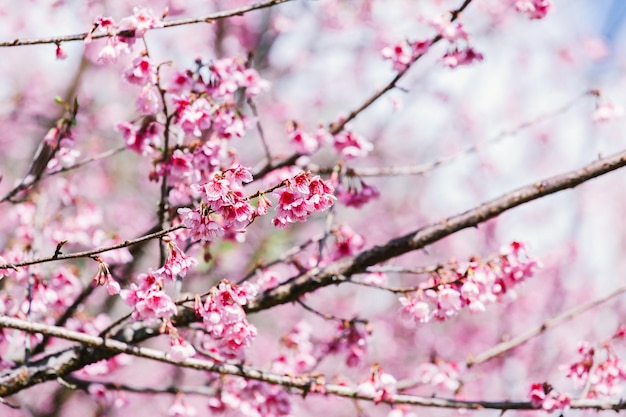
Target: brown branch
{"x": 14, "y": 380}
{"x": 338, "y": 127}
{"x": 504, "y": 347}
{"x": 76, "y": 383}
{"x": 180, "y": 22}
{"x": 342, "y": 270}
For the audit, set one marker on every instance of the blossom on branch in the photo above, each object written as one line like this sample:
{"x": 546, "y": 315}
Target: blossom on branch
{"x": 474, "y": 286}
{"x": 304, "y": 195}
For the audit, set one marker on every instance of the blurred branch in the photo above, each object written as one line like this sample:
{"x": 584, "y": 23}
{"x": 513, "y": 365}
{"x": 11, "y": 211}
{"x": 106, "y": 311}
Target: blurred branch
{"x": 342, "y": 270}
{"x": 79, "y": 164}
{"x": 427, "y": 167}
{"x": 76, "y": 383}
{"x": 504, "y": 347}
{"x": 15, "y": 380}
{"x": 180, "y": 22}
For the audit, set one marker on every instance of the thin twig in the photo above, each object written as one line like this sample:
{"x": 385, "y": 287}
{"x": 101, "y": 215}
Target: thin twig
{"x": 338, "y": 127}
{"x": 504, "y": 347}
{"x": 172, "y": 389}
{"x": 430, "y": 166}
{"x": 327, "y": 316}
{"x": 259, "y": 128}
{"x": 79, "y": 164}
{"x": 180, "y": 22}
{"x": 92, "y": 252}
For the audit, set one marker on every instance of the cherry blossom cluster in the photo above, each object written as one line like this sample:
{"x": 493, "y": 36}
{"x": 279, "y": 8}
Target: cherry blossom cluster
{"x": 147, "y": 294}
{"x": 225, "y": 320}
{"x": 401, "y": 54}
{"x": 224, "y": 209}
{"x": 207, "y": 101}
{"x": 148, "y": 298}
{"x": 600, "y": 378}
{"x": 301, "y": 196}
{"x": 351, "y": 145}
{"x": 379, "y": 385}
{"x": 460, "y": 51}
{"x": 33, "y": 294}
{"x": 471, "y": 286}
{"x": 122, "y": 35}
{"x": 440, "y": 374}
{"x": 250, "y": 398}
{"x": 351, "y": 339}
{"x": 352, "y": 191}
{"x": 347, "y": 243}
{"x": 62, "y": 141}
{"x": 544, "y": 396}
{"x": 300, "y": 356}
{"x": 303, "y": 142}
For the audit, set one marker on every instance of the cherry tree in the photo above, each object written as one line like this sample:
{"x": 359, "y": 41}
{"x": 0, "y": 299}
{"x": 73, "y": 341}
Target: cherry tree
{"x": 298, "y": 207}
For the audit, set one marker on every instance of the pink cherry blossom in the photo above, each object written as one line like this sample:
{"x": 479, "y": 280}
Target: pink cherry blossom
{"x": 180, "y": 349}
{"x": 304, "y": 194}
{"x": 451, "y": 31}
{"x": 304, "y": 143}
{"x": 180, "y": 408}
{"x": 546, "y": 397}
{"x": 148, "y": 298}
{"x": 354, "y": 192}
{"x": 607, "y": 111}
{"x": 534, "y": 9}
{"x": 350, "y": 145}
{"x": 142, "y": 72}
{"x": 148, "y": 101}
{"x": 456, "y": 57}
{"x": 400, "y": 54}
{"x": 140, "y": 22}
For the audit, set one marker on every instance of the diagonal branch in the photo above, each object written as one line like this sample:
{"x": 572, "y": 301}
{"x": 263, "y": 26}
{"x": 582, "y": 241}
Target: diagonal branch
{"x": 337, "y": 127}
{"x": 508, "y": 345}
{"x": 342, "y": 270}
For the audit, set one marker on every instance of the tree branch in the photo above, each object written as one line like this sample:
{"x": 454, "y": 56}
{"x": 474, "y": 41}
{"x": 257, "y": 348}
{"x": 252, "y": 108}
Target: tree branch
{"x": 342, "y": 270}
{"x": 16, "y": 379}
{"x": 180, "y": 22}
{"x": 92, "y": 252}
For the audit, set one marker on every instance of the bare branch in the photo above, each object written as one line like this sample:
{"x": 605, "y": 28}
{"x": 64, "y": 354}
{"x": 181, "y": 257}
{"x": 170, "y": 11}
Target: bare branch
{"x": 430, "y": 166}
{"x": 504, "y": 347}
